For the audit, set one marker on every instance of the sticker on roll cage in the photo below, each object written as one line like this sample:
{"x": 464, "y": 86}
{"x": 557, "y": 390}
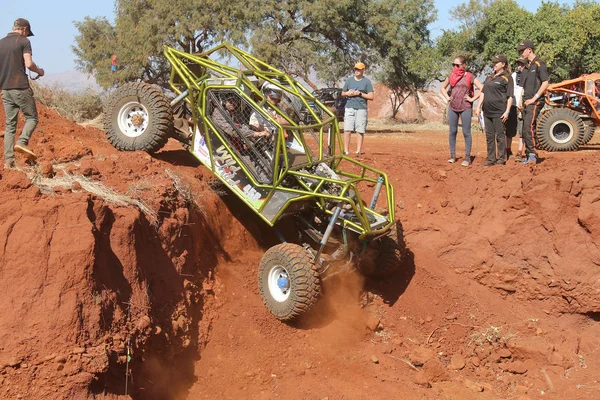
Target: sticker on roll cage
{"x": 227, "y": 168}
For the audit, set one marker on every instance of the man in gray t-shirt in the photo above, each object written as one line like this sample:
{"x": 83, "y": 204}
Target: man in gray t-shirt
{"x": 358, "y": 90}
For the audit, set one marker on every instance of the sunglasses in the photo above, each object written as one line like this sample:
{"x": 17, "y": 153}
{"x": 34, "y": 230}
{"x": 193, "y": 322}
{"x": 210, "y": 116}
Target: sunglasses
{"x": 456, "y": 65}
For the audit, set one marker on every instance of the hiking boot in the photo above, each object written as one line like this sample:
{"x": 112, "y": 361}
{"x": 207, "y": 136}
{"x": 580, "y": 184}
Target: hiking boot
{"x": 21, "y": 148}
{"x": 452, "y": 160}
{"x": 500, "y": 162}
{"x": 465, "y": 163}
{"x": 487, "y": 164}
{"x": 518, "y": 156}
{"x": 532, "y": 159}
{"x": 9, "y": 165}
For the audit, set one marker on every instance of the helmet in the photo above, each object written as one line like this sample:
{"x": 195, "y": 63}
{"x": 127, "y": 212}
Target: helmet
{"x": 272, "y": 90}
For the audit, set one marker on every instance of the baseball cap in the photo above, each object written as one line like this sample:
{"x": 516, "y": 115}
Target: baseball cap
{"x": 359, "y": 65}
{"x": 23, "y": 23}
{"x": 499, "y": 58}
{"x": 525, "y": 44}
{"x": 521, "y": 60}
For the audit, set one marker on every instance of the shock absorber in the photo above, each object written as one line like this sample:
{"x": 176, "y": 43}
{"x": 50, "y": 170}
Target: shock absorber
{"x": 376, "y": 193}
{"x": 332, "y": 221}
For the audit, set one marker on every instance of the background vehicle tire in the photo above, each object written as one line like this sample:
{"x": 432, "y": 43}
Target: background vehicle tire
{"x": 138, "y": 116}
{"x": 288, "y": 281}
{"x": 388, "y": 254}
{"x": 590, "y": 128}
{"x": 559, "y": 129}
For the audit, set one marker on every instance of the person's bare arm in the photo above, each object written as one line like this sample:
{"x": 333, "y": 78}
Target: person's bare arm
{"x": 32, "y": 66}
{"x": 444, "y": 89}
{"x": 367, "y": 96}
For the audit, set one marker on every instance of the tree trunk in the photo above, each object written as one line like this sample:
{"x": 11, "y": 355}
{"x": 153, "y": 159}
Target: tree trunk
{"x": 415, "y": 93}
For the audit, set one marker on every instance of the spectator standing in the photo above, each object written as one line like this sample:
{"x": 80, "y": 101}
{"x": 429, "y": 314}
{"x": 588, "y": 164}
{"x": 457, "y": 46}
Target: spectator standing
{"x": 496, "y": 100}
{"x": 535, "y": 82}
{"x": 358, "y": 89}
{"x": 458, "y": 90}
{"x": 514, "y": 125}
{"x": 15, "y": 55}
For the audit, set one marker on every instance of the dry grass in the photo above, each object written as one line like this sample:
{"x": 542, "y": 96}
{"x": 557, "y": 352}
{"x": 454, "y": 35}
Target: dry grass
{"x": 66, "y": 180}
{"x": 80, "y": 106}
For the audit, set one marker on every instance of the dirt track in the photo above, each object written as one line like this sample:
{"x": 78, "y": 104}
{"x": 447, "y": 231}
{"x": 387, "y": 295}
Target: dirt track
{"x": 500, "y": 297}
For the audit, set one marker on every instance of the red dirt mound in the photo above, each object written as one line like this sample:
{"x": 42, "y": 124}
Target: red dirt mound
{"x": 499, "y": 297}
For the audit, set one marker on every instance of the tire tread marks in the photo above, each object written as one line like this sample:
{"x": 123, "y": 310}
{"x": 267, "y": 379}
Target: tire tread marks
{"x": 161, "y": 118}
{"x": 305, "y": 282}
{"x": 590, "y": 128}
{"x": 544, "y": 138}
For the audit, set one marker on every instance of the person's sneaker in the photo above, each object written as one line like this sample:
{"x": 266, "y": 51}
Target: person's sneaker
{"x": 508, "y": 153}
{"x": 532, "y": 159}
{"x": 346, "y": 153}
{"x": 465, "y": 163}
{"x": 9, "y": 165}
{"x": 487, "y": 164}
{"x": 21, "y": 148}
{"x": 452, "y": 160}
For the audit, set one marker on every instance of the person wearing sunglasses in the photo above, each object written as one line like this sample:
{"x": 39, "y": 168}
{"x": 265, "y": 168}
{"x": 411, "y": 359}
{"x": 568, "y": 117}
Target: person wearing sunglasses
{"x": 459, "y": 91}
{"x": 15, "y": 55}
{"x": 496, "y": 100}
{"x": 358, "y": 89}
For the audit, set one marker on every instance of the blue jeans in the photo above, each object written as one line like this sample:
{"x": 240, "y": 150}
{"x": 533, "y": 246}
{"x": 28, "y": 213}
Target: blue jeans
{"x": 466, "y": 128}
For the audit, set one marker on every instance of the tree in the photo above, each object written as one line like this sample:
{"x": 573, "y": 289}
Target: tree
{"x": 401, "y": 37}
{"x": 304, "y": 37}
{"x": 143, "y": 27}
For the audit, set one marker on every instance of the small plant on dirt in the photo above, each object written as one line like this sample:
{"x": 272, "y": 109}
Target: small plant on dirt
{"x": 77, "y": 106}
{"x": 491, "y": 335}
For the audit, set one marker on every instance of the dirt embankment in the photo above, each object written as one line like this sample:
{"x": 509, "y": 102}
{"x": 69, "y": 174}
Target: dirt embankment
{"x": 499, "y": 297}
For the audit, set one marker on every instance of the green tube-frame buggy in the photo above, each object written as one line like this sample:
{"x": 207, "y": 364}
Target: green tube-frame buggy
{"x": 283, "y": 159}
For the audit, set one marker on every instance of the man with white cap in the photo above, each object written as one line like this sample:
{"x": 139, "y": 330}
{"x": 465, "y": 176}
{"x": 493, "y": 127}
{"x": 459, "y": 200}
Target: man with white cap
{"x": 358, "y": 89}
{"x": 15, "y": 55}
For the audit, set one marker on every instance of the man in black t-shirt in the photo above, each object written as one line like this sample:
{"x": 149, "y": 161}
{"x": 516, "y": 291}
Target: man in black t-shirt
{"x": 535, "y": 82}
{"x": 15, "y": 55}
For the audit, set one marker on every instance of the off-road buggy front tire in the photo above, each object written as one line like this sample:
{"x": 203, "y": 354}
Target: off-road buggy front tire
{"x": 559, "y": 129}
{"x": 138, "y": 116}
{"x": 385, "y": 255}
{"x": 288, "y": 281}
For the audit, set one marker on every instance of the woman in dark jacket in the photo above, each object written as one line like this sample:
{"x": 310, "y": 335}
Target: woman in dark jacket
{"x": 496, "y": 99}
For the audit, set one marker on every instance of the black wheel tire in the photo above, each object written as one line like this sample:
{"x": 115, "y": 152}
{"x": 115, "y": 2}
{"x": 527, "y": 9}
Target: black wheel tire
{"x": 559, "y": 129}
{"x": 292, "y": 262}
{"x": 138, "y": 116}
{"x": 590, "y": 128}
{"x": 385, "y": 256}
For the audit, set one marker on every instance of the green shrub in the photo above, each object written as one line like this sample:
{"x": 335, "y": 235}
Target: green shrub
{"x": 79, "y": 106}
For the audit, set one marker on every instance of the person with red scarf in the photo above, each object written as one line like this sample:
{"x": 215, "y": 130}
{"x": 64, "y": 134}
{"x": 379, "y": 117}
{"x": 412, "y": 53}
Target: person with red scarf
{"x": 458, "y": 90}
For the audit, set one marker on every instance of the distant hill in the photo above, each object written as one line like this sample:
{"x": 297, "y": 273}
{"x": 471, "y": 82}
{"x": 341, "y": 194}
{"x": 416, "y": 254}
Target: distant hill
{"x": 73, "y": 81}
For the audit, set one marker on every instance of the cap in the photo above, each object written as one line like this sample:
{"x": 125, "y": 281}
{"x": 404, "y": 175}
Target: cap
{"x": 525, "y": 44}
{"x": 359, "y": 65}
{"x": 272, "y": 90}
{"x": 500, "y": 58}
{"x": 521, "y": 60}
{"x": 23, "y": 23}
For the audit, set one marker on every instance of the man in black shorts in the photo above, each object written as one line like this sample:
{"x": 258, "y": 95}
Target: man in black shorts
{"x": 15, "y": 55}
{"x": 535, "y": 82}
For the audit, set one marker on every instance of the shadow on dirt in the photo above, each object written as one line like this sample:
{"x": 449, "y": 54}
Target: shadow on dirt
{"x": 177, "y": 157}
{"x": 391, "y": 287}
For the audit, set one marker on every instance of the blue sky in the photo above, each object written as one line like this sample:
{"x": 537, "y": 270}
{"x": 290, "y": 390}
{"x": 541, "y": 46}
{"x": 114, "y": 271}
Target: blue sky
{"x": 52, "y": 23}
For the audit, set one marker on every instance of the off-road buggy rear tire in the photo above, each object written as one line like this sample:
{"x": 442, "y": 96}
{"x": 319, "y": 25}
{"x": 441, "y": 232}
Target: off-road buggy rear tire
{"x": 138, "y": 116}
{"x": 384, "y": 256}
{"x": 588, "y": 134}
{"x": 559, "y": 129}
{"x": 288, "y": 281}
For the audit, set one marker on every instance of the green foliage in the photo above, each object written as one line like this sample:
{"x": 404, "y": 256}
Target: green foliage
{"x": 567, "y": 39}
{"x": 143, "y": 27}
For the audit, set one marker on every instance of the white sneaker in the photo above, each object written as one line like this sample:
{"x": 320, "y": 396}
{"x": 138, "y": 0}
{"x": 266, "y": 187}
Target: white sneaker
{"x": 452, "y": 160}
{"x": 465, "y": 163}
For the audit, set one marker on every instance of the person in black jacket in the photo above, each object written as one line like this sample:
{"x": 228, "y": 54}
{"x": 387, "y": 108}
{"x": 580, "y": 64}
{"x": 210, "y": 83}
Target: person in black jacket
{"x": 496, "y": 100}
{"x": 15, "y": 55}
{"x": 535, "y": 82}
